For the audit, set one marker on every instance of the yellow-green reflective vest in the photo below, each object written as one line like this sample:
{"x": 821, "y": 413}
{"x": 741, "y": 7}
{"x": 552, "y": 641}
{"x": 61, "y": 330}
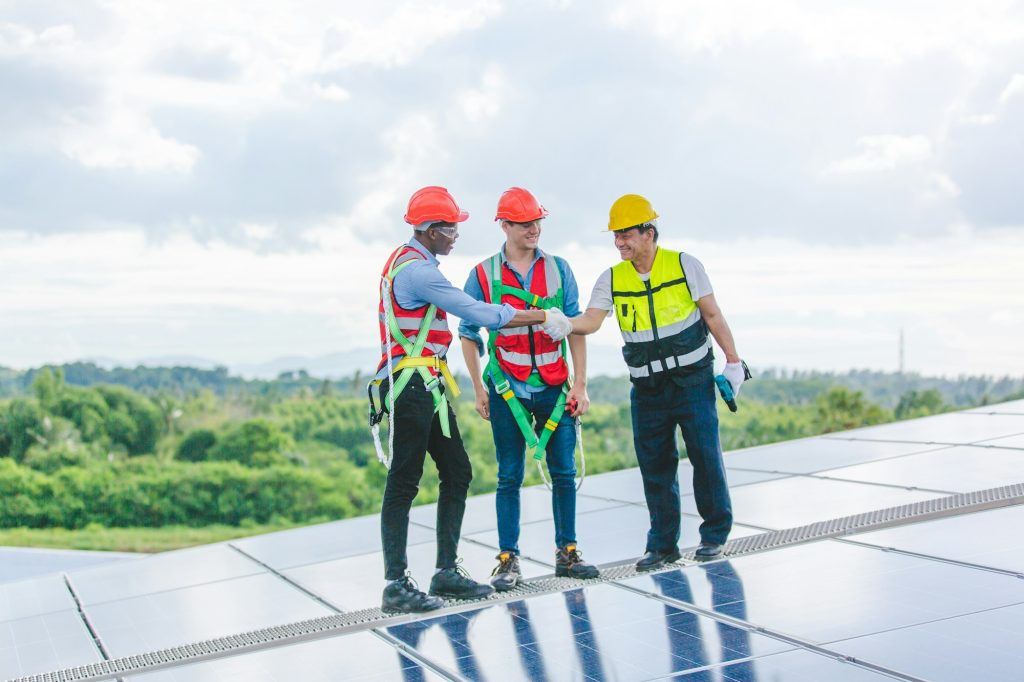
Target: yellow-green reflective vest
{"x": 661, "y": 325}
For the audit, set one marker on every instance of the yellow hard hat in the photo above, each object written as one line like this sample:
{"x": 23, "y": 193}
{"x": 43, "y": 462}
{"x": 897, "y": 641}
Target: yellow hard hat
{"x": 630, "y": 210}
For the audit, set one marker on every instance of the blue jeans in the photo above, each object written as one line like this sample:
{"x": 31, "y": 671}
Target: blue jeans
{"x": 656, "y": 414}
{"x": 510, "y": 449}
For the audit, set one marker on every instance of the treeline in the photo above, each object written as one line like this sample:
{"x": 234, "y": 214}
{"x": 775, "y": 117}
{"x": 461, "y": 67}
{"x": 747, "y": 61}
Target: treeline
{"x": 788, "y": 387}
{"x": 179, "y": 381}
{"x": 72, "y": 455}
{"x": 772, "y": 386}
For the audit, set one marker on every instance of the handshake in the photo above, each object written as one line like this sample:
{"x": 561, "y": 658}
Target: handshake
{"x": 556, "y": 324}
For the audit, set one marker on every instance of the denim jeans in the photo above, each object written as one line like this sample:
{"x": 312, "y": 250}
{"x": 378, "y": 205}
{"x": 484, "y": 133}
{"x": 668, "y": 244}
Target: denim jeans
{"x": 656, "y": 414}
{"x": 417, "y": 432}
{"x": 510, "y": 450}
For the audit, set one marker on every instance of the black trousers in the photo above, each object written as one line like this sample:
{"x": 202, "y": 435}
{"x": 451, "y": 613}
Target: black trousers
{"x": 417, "y": 431}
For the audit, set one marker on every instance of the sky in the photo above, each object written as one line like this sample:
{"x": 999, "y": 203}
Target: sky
{"x": 224, "y": 180}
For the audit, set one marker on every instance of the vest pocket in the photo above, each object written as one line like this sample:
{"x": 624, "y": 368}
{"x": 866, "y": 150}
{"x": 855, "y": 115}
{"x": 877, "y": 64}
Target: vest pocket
{"x": 635, "y": 354}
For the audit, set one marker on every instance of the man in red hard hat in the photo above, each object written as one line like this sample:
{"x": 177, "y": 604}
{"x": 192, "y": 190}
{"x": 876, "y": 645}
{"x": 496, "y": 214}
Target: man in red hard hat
{"x": 413, "y": 376}
{"x": 527, "y": 382}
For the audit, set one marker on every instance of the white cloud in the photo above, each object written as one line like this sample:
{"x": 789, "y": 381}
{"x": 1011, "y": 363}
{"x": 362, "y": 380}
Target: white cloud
{"x": 484, "y": 102}
{"x": 394, "y": 38}
{"x": 1014, "y": 88}
{"x": 121, "y": 139}
{"x": 332, "y": 92}
{"x": 884, "y": 152}
{"x": 831, "y": 30}
{"x": 788, "y": 303}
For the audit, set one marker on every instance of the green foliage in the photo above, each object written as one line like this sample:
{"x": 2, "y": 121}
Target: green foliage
{"x": 195, "y": 447}
{"x": 151, "y": 494}
{"x": 251, "y": 442}
{"x": 299, "y": 450}
{"x": 21, "y": 425}
{"x": 841, "y": 409}
{"x": 915, "y": 404}
{"x": 132, "y": 420}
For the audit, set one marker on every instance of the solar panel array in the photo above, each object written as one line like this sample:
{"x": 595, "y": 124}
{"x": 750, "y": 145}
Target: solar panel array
{"x": 937, "y": 600}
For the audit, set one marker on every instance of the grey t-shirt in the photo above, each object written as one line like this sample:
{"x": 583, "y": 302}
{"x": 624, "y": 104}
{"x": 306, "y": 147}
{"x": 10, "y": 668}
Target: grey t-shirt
{"x": 696, "y": 279}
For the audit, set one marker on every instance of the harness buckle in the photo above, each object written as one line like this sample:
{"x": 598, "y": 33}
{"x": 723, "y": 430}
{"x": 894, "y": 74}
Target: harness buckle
{"x": 375, "y": 416}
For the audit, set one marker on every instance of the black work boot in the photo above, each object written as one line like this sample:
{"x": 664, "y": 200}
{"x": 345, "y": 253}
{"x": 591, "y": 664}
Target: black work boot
{"x": 708, "y": 551}
{"x": 652, "y": 560}
{"x": 455, "y": 583}
{"x": 569, "y": 563}
{"x": 402, "y": 596}
{"x": 506, "y": 575}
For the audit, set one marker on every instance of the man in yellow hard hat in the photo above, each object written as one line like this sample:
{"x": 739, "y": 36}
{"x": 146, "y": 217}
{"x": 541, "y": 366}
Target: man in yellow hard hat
{"x": 665, "y": 307}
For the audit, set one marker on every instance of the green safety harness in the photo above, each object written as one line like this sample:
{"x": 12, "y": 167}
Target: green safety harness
{"x": 413, "y": 361}
{"x": 534, "y": 445}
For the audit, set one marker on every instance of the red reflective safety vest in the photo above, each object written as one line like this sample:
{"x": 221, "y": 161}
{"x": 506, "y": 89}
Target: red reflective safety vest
{"x": 439, "y": 337}
{"x": 522, "y": 349}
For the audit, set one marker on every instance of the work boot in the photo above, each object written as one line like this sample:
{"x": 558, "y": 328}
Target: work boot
{"x": 506, "y": 575}
{"x": 402, "y": 596}
{"x": 455, "y": 583}
{"x": 569, "y": 563}
{"x": 652, "y": 560}
{"x": 707, "y": 551}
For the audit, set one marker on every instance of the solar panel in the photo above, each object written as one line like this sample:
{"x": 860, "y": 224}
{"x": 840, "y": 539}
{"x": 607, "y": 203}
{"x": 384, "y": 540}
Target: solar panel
{"x": 956, "y": 469}
{"x": 358, "y": 656}
{"x": 162, "y": 572}
{"x": 798, "y": 501}
{"x": 943, "y": 604}
{"x": 163, "y": 619}
{"x": 978, "y": 646}
{"x": 322, "y": 542}
{"x": 816, "y": 454}
{"x": 955, "y": 428}
{"x": 41, "y": 643}
{"x": 985, "y": 538}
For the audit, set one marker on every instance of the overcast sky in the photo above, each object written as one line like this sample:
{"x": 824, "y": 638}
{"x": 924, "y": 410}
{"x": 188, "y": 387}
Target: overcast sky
{"x": 225, "y": 179}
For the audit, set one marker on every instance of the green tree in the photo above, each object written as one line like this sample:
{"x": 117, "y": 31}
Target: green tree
{"x": 243, "y": 442}
{"x": 920, "y": 404}
{"x": 21, "y": 426}
{"x": 132, "y": 420}
{"x": 840, "y": 409}
{"x": 195, "y": 447}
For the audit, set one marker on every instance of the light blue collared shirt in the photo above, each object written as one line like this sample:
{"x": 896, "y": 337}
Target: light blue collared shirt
{"x": 570, "y": 306}
{"x": 421, "y": 282}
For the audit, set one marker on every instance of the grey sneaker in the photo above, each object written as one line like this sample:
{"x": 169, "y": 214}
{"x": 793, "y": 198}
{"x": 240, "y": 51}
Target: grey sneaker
{"x": 506, "y": 575}
{"x": 455, "y": 583}
{"x": 569, "y": 563}
{"x": 708, "y": 551}
{"x": 402, "y": 596}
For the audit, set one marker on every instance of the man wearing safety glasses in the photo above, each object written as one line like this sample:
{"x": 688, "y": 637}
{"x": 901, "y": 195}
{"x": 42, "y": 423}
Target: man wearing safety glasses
{"x": 415, "y": 299}
{"x": 528, "y": 397}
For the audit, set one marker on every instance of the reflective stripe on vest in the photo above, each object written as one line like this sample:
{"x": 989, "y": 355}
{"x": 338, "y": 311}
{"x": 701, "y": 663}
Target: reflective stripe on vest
{"x": 513, "y": 346}
{"x": 439, "y": 336}
{"x": 660, "y": 323}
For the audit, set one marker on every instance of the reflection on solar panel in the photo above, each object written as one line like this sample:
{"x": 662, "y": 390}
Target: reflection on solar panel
{"x": 929, "y": 589}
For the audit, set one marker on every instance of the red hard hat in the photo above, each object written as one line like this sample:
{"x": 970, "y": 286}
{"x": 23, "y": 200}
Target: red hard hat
{"x": 433, "y": 203}
{"x": 519, "y": 206}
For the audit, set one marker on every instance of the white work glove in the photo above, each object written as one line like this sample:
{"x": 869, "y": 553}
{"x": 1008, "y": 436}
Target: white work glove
{"x": 735, "y": 375}
{"x": 556, "y": 325}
